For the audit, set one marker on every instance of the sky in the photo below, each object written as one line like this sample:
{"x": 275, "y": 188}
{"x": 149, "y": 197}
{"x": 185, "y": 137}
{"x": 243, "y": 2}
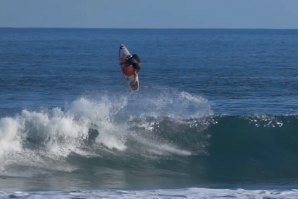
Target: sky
{"x": 260, "y": 14}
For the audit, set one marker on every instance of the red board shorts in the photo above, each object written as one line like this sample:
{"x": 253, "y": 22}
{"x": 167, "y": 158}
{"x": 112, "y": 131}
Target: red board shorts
{"x": 128, "y": 70}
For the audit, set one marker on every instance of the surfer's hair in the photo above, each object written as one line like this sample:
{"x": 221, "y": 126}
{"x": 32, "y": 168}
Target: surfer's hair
{"x": 135, "y": 61}
{"x": 136, "y": 57}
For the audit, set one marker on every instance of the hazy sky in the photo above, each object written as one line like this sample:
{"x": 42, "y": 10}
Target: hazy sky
{"x": 150, "y": 13}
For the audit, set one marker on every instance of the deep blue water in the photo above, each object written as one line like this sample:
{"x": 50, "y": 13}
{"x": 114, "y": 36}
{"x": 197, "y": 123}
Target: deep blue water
{"x": 216, "y": 108}
{"x": 238, "y": 71}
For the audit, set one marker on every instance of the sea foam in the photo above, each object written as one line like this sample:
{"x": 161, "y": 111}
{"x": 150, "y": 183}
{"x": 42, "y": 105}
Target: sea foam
{"x": 107, "y": 124}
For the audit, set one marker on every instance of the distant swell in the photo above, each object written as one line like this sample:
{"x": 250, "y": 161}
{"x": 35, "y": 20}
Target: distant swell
{"x": 170, "y": 135}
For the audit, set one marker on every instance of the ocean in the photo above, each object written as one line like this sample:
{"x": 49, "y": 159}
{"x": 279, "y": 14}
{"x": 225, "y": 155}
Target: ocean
{"x": 216, "y": 115}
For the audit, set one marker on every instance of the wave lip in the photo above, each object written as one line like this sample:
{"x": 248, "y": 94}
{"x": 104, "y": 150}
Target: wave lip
{"x": 110, "y": 126}
{"x": 140, "y": 136}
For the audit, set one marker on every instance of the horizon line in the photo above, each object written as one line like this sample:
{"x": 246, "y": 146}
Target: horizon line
{"x": 112, "y": 28}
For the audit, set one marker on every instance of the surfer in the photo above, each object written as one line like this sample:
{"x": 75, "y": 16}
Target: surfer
{"x": 131, "y": 66}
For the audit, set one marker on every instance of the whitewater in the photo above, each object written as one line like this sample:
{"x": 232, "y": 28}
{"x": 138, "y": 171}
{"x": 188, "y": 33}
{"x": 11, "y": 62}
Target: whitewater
{"x": 103, "y": 142}
{"x": 215, "y": 117}
{"x": 41, "y": 141}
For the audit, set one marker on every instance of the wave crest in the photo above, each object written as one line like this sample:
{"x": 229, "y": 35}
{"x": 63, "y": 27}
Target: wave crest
{"x": 103, "y": 127}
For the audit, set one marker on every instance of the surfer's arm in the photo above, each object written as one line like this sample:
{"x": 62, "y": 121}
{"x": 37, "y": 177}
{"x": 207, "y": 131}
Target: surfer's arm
{"x": 135, "y": 76}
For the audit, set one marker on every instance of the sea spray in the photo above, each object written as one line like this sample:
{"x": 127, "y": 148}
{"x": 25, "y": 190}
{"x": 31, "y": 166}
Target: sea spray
{"x": 106, "y": 127}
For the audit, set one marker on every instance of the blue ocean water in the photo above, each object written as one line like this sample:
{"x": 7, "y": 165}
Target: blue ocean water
{"x": 215, "y": 116}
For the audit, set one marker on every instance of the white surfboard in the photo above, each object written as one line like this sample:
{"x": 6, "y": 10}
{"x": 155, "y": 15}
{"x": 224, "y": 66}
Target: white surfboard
{"x": 123, "y": 55}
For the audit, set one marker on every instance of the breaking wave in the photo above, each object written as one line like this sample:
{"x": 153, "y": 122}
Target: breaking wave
{"x": 106, "y": 127}
{"x": 168, "y": 136}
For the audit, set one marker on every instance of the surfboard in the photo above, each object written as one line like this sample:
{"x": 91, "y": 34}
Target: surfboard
{"x": 123, "y": 55}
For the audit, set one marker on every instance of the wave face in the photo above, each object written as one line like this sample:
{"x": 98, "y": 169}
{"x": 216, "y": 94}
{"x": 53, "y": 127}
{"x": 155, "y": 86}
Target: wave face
{"x": 171, "y": 137}
{"x": 105, "y": 130}
{"x": 259, "y": 148}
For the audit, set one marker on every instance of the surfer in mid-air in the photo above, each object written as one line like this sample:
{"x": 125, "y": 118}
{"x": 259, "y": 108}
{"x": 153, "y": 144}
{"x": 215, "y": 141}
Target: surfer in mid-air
{"x": 130, "y": 66}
